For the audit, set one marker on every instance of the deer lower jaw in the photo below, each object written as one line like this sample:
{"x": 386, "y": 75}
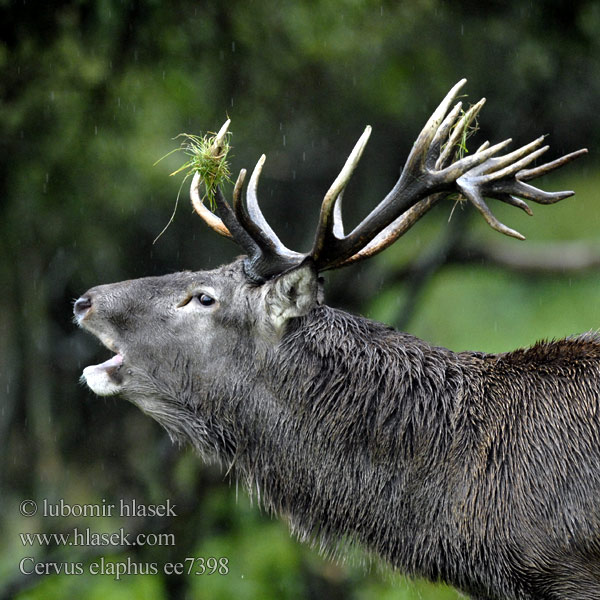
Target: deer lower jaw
{"x": 105, "y": 379}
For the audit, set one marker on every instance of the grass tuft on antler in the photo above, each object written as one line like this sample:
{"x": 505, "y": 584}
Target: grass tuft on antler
{"x": 208, "y": 156}
{"x": 464, "y": 128}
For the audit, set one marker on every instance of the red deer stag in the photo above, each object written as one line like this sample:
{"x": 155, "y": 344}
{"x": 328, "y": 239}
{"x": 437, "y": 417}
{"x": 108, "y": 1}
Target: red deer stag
{"x": 480, "y": 470}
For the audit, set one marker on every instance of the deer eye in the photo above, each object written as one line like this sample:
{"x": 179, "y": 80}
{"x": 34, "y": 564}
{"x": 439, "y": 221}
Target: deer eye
{"x": 200, "y": 297}
{"x": 205, "y": 299}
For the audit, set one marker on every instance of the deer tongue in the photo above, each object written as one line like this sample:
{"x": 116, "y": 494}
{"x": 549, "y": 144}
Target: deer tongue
{"x": 107, "y": 369}
{"x": 112, "y": 363}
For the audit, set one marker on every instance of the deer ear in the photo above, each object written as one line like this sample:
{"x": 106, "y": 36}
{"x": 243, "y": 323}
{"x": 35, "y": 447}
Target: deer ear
{"x": 292, "y": 294}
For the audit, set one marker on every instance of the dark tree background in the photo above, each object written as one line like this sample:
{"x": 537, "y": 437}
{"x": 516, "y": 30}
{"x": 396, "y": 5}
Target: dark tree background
{"x": 93, "y": 93}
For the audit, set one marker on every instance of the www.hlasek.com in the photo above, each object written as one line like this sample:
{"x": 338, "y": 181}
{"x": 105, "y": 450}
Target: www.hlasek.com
{"x": 86, "y": 537}
{"x": 29, "y": 565}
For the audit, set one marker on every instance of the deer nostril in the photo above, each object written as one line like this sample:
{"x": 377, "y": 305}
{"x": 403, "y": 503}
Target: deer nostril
{"x": 82, "y": 305}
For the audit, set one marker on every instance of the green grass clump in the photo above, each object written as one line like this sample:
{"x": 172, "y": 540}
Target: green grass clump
{"x": 207, "y": 156}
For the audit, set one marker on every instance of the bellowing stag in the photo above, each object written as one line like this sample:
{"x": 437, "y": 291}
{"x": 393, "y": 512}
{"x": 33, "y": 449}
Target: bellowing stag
{"x": 481, "y": 470}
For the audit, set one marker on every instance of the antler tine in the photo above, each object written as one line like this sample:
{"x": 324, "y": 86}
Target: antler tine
{"x": 241, "y": 208}
{"x": 205, "y": 214}
{"x": 428, "y": 132}
{"x": 528, "y": 174}
{"x": 330, "y": 219}
{"x": 475, "y": 197}
{"x": 237, "y": 188}
{"x": 269, "y": 256}
{"x": 238, "y": 233}
{"x": 514, "y": 201}
{"x": 253, "y": 220}
{"x": 227, "y": 225}
{"x": 338, "y": 223}
{"x": 457, "y": 134}
{"x": 452, "y": 172}
{"x": 441, "y": 134}
{"x": 508, "y": 164}
{"x": 220, "y": 137}
{"x": 245, "y": 223}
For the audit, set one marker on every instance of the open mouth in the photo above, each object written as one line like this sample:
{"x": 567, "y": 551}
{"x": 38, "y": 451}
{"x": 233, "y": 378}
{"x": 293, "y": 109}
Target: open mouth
{"x": 105, "y": 379}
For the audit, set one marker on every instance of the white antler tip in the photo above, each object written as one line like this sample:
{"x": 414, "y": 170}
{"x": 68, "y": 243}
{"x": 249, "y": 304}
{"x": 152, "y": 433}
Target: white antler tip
{"x": 256, "y": 174}
{"x": 459, "y": 84}
{"x": 224, "y": 129}
{"x": 218, "y": 142}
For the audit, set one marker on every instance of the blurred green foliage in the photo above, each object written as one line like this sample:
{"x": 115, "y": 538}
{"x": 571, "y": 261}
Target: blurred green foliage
{"x": 93, "y": 93}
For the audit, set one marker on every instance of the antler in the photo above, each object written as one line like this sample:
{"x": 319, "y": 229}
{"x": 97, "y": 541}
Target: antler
{"x": 429, "y": 175}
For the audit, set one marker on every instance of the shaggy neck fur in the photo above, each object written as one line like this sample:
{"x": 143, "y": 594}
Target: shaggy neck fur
{"x": 343, "y": 427}
{"x": 359, "y": 433}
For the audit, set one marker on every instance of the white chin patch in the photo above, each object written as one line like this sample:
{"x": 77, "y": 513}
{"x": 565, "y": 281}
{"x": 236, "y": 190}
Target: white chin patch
{"x": 103, "y": 379}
